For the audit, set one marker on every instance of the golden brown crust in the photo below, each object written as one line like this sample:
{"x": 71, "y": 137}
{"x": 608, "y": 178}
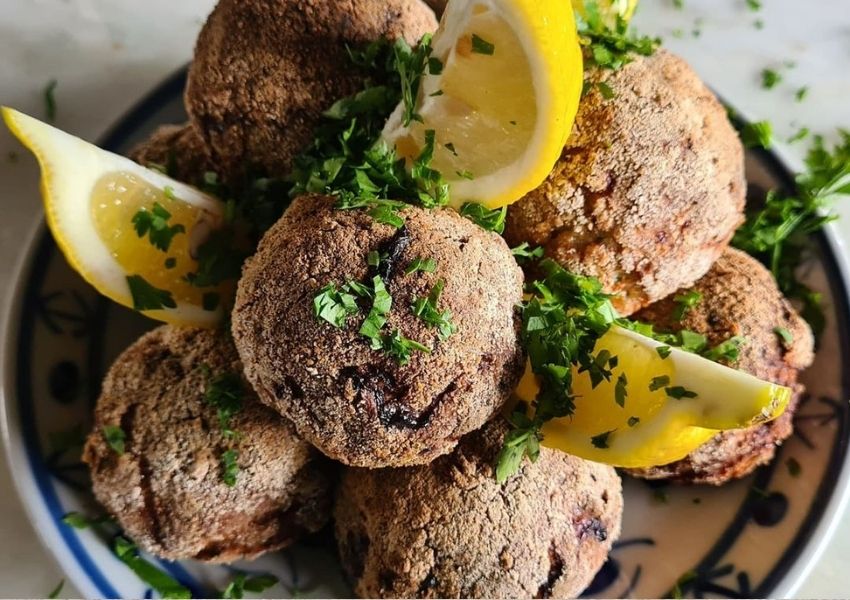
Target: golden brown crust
{"x": 356, "y": 404}
{"x": 178, "y": 148}
{"x": 166, "y": 490}
{"x": 739, "y": 297}
{"x": 264, "y": 70}
{"x": 449, "y": 530}
{"x": 650, "y": 186}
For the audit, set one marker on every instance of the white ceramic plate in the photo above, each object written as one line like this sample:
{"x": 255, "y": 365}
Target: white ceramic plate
{"x": 753, "y": 538}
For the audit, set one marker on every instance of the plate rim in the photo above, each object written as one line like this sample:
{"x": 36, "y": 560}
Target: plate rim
{"x": 836, "y": 236}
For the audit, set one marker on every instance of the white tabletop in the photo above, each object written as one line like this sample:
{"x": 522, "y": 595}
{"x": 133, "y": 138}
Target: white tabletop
{"x": 104, "y": 54}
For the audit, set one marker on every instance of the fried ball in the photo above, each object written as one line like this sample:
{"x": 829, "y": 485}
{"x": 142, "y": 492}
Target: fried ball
{"x": 265, "y": 70}
{"x": 356, "y": 404}
{"x": 739, "y": 297}
{"x": 449, "y": 530}
{"x": 166, "y": 489}
{"x": 177, "y": 148}
{"x": 649, "y": 188}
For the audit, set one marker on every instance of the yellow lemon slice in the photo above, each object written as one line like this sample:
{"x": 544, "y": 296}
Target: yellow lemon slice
{"x": 670, "y": 407}
{"x": 609, "y": 10}
{"x": 504, "y": 100}
{"x": 92, "y": 198}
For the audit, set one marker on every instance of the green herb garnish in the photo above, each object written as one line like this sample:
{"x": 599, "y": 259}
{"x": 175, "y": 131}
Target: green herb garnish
{"x": 50, "y": 100}
{"x": 162, "y": 582}
{"x": 770, "y": 79}
{"x": 758, "y": 134}
{"x": 801, "y": 93}
{"x": 425, "y": 265}
{"x": 229, "y": 467}
{"x": 115, "y": 438}
{"x": 398, "y": 347}
{"x": 524, "y": 252}
{"x": 146, "y": 296}
{"x": 382, "y": 303}
{"x": 491, "y": 220}
{"x": 154, "y": 223}
{"x": 242, "y": 583}
{"x": 620, "y": 392}
{"x": 610, "y": 47}
{"x": 663, "y": 351}
{"x": 678, "y": 392}
{"x": 786, "y": 336}
{"x": 659, "y": 382}
{"x": 334, "y": 305}
{"x": 426, "y": 309}
{"x": 633, "y": 421}
{"x": 54, "y": 593}
{"x": 685, "y": 302}
{"x": 224, "y": 392}
{"x": 601, "y": 441}
{"x": 482, "y": 46}
{"x": 81, "y": 521}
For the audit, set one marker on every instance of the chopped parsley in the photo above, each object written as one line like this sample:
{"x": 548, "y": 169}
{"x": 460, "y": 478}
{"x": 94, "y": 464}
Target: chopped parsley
{"x": 54, "y": 593}
{"x": 658, "y": 383}
{"x": 754, "y": 5}
{"x": 620, "y": 392}
{"x": 81, "y": 521}
{"x": 154, "y": 223}
{"x": 425, "y": 265}
{"x": 334, "y": 305}
{"x": 728, "y": 350}
{"x": 482, "y": 46}
{"x": 606, "y": 90}
{"x": 610, "y": 47}
{"x": 490, "y": 220}
{"x": 224, "y": 392}
{"x": 242, "y": 583}
{"x": 801, "y": 134}
{"x": 685, "y": 302}
{"x": 663, "y": 351}
{"x": 115, "y": 438}
{"x": 465, "y": 174}
{"x": 426, "y": 309}
{"x": 678, "y": 392}
{"x": 159, "y": 580}
{"x": 801, "y": 93}
{"x": 229, "y": 466}
{"x": 633, "y": 421}
{"x": 524, "y": 252}
{"x": 382, "y": 303}
{"x": 601, "y": 441}
{"x": 758, "y": 134}
{"x": 563, "y": 317}
{"x": 170, "y": 262}
{"x": 50, "y": 100}
{"x": 398, "y": 347}
{"x": 786, "y": 336}
{"x": 146, "y": 296}
{"x": 770, "y": 79}
{"x": 451, "y": 148}
{"x": 777, "y": 233}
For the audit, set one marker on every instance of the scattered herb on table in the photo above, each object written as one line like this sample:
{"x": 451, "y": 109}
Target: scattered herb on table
{"x": 770, "y": 79}
{"x": 50, "y": 100}
{"x": 242, "y": 582}
{"x": 128, "y": 553}
{"x": 758, "y": 134}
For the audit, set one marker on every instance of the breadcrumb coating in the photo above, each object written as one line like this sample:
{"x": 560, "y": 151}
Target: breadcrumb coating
{"x": 178, "y": 148}
{"x": 265, "y": 70}
{"x": 449, "y": 530}
{"x": 166, "y": 490}
{"x": 356, "y": 404}
{"x": 739, "y": 297}
{"x": 649, "y": 188}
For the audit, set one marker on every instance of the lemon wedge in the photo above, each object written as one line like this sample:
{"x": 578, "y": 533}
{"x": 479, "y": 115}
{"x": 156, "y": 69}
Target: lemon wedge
{"x": 503, "y": 101}
{"x": 609, "y": 10}
{"x": 671, "y": 405}
{"x": 91, "y": 197}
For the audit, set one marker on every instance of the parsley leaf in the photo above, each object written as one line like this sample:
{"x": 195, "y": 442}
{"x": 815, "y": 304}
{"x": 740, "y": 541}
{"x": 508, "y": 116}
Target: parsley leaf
{"x": 242, "y": 583}
{"x": 490, "y": 220}
{"x": 610, "y": 47}
{"x": 382, "y": 303}
{"x": 601, "y": 441}
{"x": 786, "y": 336}
{"x": 678, "y": 392}
{"x": 426, "y": 309}
{"x": 154, "y": 222}
{"x": 224, "y": 392}
{"x": 685, "y": 302}
{"x": 620, "y": 392}
{"x": 728, "y": 350}
{"x": 663, "y": 351}
{"x": 54, "y": 593}
{"x": 801, "y": 93}
{"x": 524, "y": 252}
{"x": 334, "y": 305}
{"x": 147, "y": 297}
{"x": 162, "y": 582}
{"x": 659, "y": 382}
{"x": 758, "y": 134}
{"x": 770, "y": 79}
{"x": 633, "y": 421}
{"x": 81, "y": 521}
{"x": 50, "y": 100}
{"x": 229, "y": 467}
{"x": 115, "y": 438}
{"x": 425, "y": 265}
{"x": 754, "y": 5}
{"x": 482, "y": 46}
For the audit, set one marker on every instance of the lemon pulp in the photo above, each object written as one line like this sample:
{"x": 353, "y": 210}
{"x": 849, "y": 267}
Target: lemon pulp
{"x": 115, "y": 199}
{"x": 652, "y": 427}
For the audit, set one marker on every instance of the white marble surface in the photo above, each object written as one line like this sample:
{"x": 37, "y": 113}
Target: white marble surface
{"x": 106, "y": 53}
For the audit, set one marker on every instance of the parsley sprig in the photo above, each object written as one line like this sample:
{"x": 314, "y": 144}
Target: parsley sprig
{"x": 777, "y": 233}
{"x": 610, "y": 47}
